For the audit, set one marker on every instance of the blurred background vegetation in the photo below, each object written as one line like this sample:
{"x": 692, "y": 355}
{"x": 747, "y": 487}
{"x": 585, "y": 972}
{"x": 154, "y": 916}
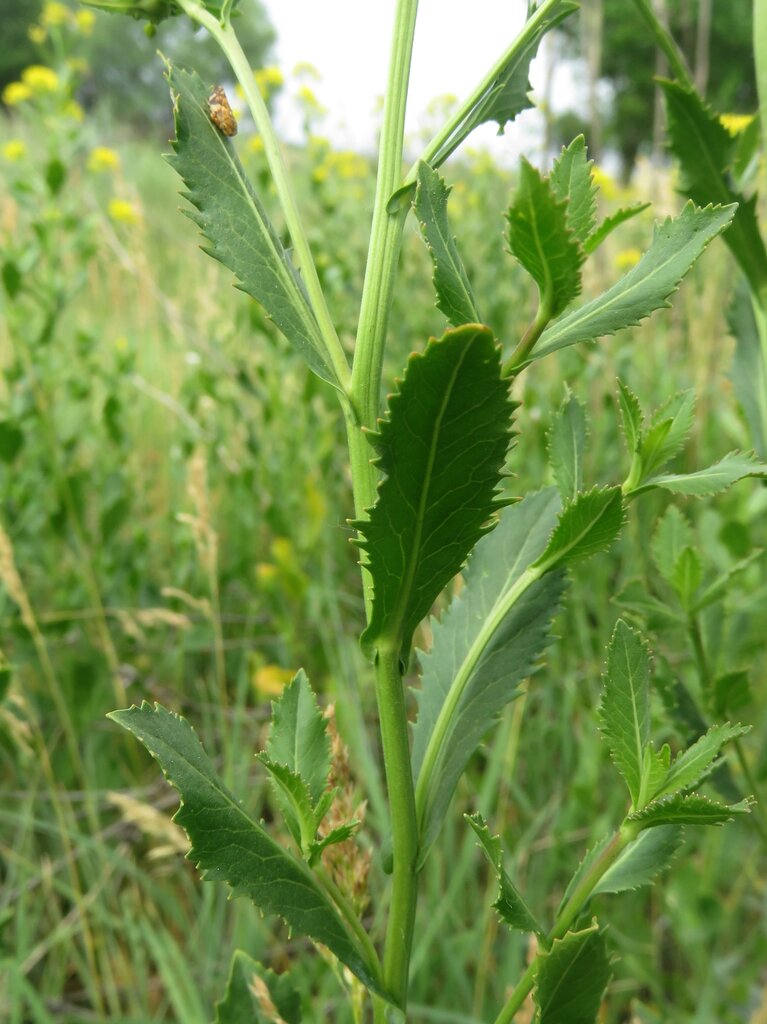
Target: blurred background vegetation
{"x": 173, "y": 504}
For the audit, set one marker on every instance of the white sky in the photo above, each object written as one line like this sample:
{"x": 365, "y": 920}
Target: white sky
{"x": 348, "y": 42}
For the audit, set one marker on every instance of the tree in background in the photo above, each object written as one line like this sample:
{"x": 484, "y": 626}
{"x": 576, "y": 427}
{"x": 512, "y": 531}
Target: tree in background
{"x": 618, "y": 52}
{"x": 123, "y": 70}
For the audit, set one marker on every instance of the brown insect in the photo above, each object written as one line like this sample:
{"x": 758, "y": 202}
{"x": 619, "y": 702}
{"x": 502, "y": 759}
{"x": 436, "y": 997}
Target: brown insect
{"x": 221, "y": 113}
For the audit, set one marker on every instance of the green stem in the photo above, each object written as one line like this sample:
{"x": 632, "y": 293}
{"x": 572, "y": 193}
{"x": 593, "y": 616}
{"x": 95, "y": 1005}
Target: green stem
{"x": 404, "y": 826}
{"x": 518, "y": 357}
{"x": 760, "y": 63}
{"x": 665, "y": 42}
{"x": 626, "y": 834}
{"x": 227, "y": 40}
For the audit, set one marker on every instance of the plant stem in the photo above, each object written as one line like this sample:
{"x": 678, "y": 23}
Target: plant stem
{"x": 760, "y": 63}
{"x": 404, "y": 826}
{"x": 665, "y": 43}
{"x": 626, "y": 834}
{"x": 227, "y": 40}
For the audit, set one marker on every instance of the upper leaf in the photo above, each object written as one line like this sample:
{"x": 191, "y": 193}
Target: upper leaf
{"x": 567, "y": 438}
{"x": 706, "y": 153}
{"x": 676, "y": 245}
{"x": 694, "y": 763}
{"x": 711, "y": 480}
{"x": 509, "y": 903}
{"x": 298, "y": 735}
{"x": 588, "y": 524}
{"x": 454, "y": 295}
{"x": 229, "y": 846}
{"x": 688, "y": 810}
{"x": 442, "y": 448}
{"x": 642, "y": 860}
{"x": 676, "y": 416}
{"x": 571, "y": 180}
{"x": 257, "y": 995}
{"x": 230, "y": 215}
{"x": 484, "y": 644}
{"x": 542, "y": 240}
{"x": 572, "y": 978}
{"x": 624, "y": 711}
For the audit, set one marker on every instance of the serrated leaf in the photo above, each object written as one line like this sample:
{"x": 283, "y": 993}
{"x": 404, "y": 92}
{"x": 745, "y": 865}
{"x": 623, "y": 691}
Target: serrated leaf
{"x": 543, "y": 242}
{"x": 676, "y": 245}
{"x": 231, "y": 216}
{"x": 609, "y": 224}
{"x": 486, "y": 642}
{"x": 571, "y": 180}
{"x": 298, "y": 736}
{"x": 509, "y": 903}
{"x": 567, "y": 438}
{"x": 688, "y": 810}
{"x": 694, "y": 763}
{"x": 672, "y": 535}
{"x": 749, "y": 370}
{"x": 572, "y": 978}
{"x": 455, "y": 298}
{"x": 642, "y": 861}
{"x": 442, "y": 448}
{"x": 250, "y": 989}
{"x": 631, "y": 415}
{"x": 719, "y": 588}
{"x": 655, "y": 767}
{"x": 229, "y": 846}
{"x": 706, "y": 151}
{"x": 293, "y": 799}
{"x": 624, "y": 710}
{"x": 588, "y": 524}
{"x": 339, "y": 834}
{"x": 732, "y": 691}
{"x": 704, "y": 482}
{"x": 507, "y": 95}
{"x": 673, "y": 422}
{"x": 687, "y": 576}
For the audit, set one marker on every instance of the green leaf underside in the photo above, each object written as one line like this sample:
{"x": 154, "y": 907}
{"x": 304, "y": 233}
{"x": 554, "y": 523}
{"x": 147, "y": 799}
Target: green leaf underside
{"x": 688, "y": 810}
{"x": 642, "y": 861}
{"x": 676, "y": 245}
{"x": 693, "y": 764}
{"x": 442, "y": 448}
{"x": 706, "y": 151}
{"x": 454, "y": 295}
{"x": 230, "y": 215}
{"x": 298, "y": 736}
{"x": 749, "y": 371}
{"x": 624, "y": 711}
{"x": 571, "y": 180}
{"x": 672, "y": 535}
{"x": 541, "y": 239}
{"x": 609, "y": 224}
{"x": 572, "y": 978}
{"x": 482, "y": 648}
{"x": 704, "y": 482}
{"x": 508, "y": 94}
{"x": 631, "y": 416}
{"x": 587, "y": 525}
{"x": 241, "y": 1002}
{"x": 229, "y": 846}
{"x": 509, "y": 903}
{"x": 566, "y": 442}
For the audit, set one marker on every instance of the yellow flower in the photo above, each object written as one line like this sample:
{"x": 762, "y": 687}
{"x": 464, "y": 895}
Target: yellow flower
{"x": 40, "y": 79}
{"x": 73, "y": 109}
{"x": 306, "y": 70}
{"x": 122, "y": 211}
{"x": 55, "y": 13}
{"x": 255, "y": 144}
{"x": 736, "y": 123}
{"x": 103, "y": 159}
{"x": 604, "y": 182}
{"x": 37, "y": 34}
{"x": 14, "y": 149}
{"x": 16, "y": 92}
{"x": 271, "y": 680}
{"x": 268, "y": 79}
{"x": 84, "y": 21}
{"x": 309, "y": 100}
{"x": 628, "y": 258}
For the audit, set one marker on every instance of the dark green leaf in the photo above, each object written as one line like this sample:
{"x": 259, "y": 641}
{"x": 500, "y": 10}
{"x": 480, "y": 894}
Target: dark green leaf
{"x": 509, "y": 903}
{"x": 340, "y": 834}
{"x": 588, "y": 524}
{"x": 631, "y": 415}
{"x": 572, "y": 979}
{"x": 706, "y": 152}
{"x": 454, "y": 294}
{"x": 442, "y": 448}
{"x": 567, "y": 438}
{"x": 688, "y": 810}
{"x": 11, "y": 441}
{"x": 571, "y": 180}
{"x": 485, "y": 643}
{"x": 733, "y": 467}
{"x": 732, "y": 692}
{"x": 229, "y": 846}
{"x": 609, "y": 224}
{"x": 675, "y": 418}
{"x": 230, "y": 215}
{"x": 541, "y": 239}
{"x": 298, "y": 737}
{"x": 12, "y": 278}
{"x": 294, "y": 801}
{"x": 675, "y": 247}
{"x": 55, "y": 175}
{"x": 624, "y": 711}
{"x": 254, "y": 995}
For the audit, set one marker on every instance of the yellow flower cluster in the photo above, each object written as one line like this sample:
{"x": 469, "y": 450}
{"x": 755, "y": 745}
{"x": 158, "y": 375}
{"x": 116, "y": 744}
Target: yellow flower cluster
{"x": 57, "y": 15}
{"x": 736, "y": 123}
{"x": 14, "y": 149}
{"x": 36, "y": 80}
{"x": 308, "y": 99}
{"x": 628, "y": 258}
{"x": 123, "y": 212}
{"x": 268, "y": 79}
{"x": 344, "y": 164}
{"x": 605, "y": 182}
{"x": 103, "y": 159}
